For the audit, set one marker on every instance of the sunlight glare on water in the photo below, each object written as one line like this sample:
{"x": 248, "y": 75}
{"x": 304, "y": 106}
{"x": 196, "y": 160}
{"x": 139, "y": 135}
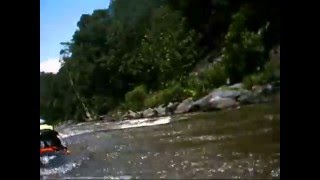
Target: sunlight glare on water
{"x": 208, "y": 145}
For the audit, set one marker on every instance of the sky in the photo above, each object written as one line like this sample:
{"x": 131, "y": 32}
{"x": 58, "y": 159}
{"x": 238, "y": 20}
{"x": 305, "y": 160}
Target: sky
{"x": 58, "y": 22}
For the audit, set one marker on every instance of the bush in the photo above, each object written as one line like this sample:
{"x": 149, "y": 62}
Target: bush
{"x": 254, "y": 79}
{"x": 207, "y": 80}
{"x": 171, "y": 94}
{"x": 215, "y": 76}
{"x": 134, "y": 99}
{"x": 272, "y": 70}
{"x": 270, "y": 73}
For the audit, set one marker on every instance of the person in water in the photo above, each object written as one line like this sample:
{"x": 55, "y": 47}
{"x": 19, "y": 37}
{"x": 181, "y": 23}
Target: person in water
{"x": 50, "y": 141}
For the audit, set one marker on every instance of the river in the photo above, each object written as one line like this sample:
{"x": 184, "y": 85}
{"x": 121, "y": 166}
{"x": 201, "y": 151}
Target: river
{"x": 239, "y": 143}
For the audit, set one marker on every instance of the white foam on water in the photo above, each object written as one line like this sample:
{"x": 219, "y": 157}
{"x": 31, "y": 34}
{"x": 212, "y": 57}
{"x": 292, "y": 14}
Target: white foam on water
{"x": 61, "y": 169}
{"x": 46, "y": 159}
{"x": 121, "y": 125}
{"x": 103, "y": 177}
{"x": 74, "y": 133}
{"x": 145, "y": 122}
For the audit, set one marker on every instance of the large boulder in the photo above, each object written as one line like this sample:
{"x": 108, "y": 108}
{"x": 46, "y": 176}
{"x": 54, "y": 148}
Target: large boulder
{"x": 161, "y": 110}
{"x": 259, "y": 94}
{"x": 247, "y": 97}
{"x": 236, "y": 86}
{"x": 222, "y": 103}
{"x": 149, "y": 113}
{"x": 220, "y": 93}
{"x": 184, "y": 106}
{"x": 265, "y": 89}
{"x": 171, "y": 107}
{"x": 201, "y": 104}
{"x": 131, "y": 115}
{"x": 226, "y": 93}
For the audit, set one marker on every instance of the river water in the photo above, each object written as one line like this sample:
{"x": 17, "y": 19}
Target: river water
{"x": 239, "y": 143}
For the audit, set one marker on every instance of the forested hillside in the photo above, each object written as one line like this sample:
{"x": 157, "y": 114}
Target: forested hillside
{"x": 143, "y": 53}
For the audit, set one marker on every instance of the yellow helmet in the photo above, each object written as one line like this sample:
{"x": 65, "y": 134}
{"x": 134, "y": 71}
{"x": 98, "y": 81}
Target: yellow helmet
{"x": 45, "y": 126}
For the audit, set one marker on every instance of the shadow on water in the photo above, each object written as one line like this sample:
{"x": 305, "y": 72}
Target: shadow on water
{"x": 241, "y": 143}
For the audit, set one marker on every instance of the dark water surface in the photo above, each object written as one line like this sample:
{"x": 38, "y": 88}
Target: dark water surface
{"x": 240, "y": 143}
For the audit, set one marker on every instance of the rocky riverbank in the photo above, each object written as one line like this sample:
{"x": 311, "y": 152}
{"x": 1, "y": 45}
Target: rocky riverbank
{"x": 225, "y": 97}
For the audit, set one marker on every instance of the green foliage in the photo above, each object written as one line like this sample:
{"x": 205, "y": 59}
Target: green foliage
{"x": 243, "y": 52}
{"x": 135, "y": 99}
{"x": 254, "y": 79}
{"x": 173, "y": 93}
{"x": 204, "y": 81}
{"x": 270, "y": 73}
{"x": 167, "y": 51}
{"x": 272, "y": 70}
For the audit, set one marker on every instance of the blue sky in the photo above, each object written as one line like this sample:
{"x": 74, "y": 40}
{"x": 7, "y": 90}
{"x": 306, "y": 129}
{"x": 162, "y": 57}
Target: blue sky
{"x": 58, "y": 19}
